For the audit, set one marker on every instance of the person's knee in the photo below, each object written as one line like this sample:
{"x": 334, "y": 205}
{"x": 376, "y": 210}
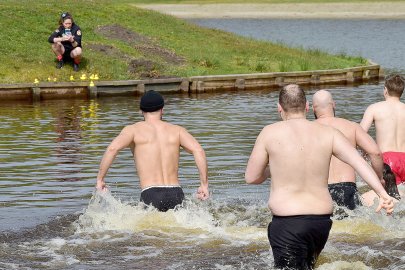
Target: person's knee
{"x": 77, "y": 52}
{"x": 57, "y": 46}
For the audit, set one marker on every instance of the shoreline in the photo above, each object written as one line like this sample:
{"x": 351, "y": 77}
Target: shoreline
{"x": 364, "y": 11}
{"x": 195, "y": 84}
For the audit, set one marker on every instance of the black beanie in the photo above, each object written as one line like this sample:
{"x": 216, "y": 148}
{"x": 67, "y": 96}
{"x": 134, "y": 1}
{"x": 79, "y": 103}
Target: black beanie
{"x": 151, "y": 101}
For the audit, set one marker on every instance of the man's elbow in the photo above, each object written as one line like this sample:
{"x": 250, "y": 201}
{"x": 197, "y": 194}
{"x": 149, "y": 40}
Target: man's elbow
{"x": 112, "y": 150}
{"x": 199, "y": 151}
{"x": 250, "y": 179}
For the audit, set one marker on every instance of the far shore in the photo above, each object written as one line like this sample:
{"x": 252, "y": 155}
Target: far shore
{"x": 373, "y": 10}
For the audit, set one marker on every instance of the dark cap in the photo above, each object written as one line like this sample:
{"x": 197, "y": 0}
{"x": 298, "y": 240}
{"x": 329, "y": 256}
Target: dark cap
{"x": 151, "y": 101}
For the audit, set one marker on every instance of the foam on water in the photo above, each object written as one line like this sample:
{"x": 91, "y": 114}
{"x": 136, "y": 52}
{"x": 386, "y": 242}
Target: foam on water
{"x": 208, "y": 235}
{"x": 364, "y": 221}
{"x": 366, "y": 240}
{"x": 196, "y": 220}
{"x": 342, "y": 265}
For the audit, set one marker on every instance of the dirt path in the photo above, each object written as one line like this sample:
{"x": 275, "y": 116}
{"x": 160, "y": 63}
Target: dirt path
{"x": 382, "y": 10}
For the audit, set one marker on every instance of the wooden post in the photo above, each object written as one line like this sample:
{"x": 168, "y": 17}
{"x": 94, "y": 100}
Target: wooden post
{"x": 193, "y": 87}
{"x": 36, "y": 93}
{"x": 140, "y": 88}
{"x": 350, "y": 76}
{"x": 315, "y": 79}
{"x": 240, "y": 84}
{"x": 200, "y": 86}
{"x": 185, "y": 86}
{"x": 92, "y": 91}
{"x": 279, "y": 81}
{"x": 366, "y": 74}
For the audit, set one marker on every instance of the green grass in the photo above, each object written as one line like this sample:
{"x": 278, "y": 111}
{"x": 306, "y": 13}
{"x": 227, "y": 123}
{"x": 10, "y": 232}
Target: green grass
{"x": 25, "y": 53}
{"x": 254, "y": 1}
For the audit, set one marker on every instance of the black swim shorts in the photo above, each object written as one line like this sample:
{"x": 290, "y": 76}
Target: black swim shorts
{"x": 297, "y": 241}
{"x": 345, "y": 194}
{"x": 163, "y": 197}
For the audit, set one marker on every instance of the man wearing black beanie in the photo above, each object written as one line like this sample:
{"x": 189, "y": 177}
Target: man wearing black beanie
{"x": 155, "y": 145}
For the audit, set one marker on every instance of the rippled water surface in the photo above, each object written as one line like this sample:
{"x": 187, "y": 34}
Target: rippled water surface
{"x": 379, "y": 40}
{"x": 51, "y": 219}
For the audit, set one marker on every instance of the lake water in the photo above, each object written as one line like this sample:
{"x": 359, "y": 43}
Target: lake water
{"x": 51, "y": 218}
{"x": 379, "y": 40}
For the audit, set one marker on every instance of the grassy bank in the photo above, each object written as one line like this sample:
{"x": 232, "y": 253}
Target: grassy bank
{"x": 123, "y": 42}
{"x": 254, "y": 1}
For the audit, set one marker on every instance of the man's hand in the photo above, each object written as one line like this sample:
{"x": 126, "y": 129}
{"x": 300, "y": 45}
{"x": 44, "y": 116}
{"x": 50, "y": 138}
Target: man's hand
{"x": 203, "y": 193}
{"x": 387, "y": 203}
{"x": 101, "y": 186}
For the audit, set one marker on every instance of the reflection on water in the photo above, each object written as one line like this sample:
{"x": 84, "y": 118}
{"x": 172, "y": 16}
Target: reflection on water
{"x": 49, "y": 154}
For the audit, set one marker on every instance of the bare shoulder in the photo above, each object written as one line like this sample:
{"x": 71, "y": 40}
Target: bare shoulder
{"x": 377, "y": 106}
{"x": 327, "y": 131}
{"x": 346, "y": 124}
{"x": 402, "y": 105}
{"x": 270, "y": 129}
{"x": 173, "y": 128}
{"x": 136, "y": 126}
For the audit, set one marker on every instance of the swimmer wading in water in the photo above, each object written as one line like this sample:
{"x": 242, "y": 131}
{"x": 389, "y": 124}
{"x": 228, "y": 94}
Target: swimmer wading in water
{"x": 295, "y": 153}
{"x": 155, "y": 145}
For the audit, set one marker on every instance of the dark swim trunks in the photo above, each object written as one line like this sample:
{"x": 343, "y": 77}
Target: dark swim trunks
{"x": 345, "y": 194}
{"x": 163, "y": 197}
{"x": 297, "y": 241}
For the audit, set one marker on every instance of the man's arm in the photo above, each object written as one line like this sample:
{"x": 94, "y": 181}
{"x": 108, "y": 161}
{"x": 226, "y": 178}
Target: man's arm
{"x": 191, "y": 145}
{"x": 344, "y": 151}
{"x": 257, "y": 169}
{"x": 124, "y": 139}
{"x": 368, "y": 118}
{"x": 366, "y": 142}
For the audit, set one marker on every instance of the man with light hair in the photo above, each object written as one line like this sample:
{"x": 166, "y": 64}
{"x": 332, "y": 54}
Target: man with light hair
{"x": 342, "y": 177}
{"x": 296, "y": 154}
{"x": 389, "y": 119}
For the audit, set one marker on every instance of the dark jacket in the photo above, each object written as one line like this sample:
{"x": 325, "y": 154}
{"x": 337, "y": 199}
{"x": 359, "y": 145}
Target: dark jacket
{"x": 76, "y": 32}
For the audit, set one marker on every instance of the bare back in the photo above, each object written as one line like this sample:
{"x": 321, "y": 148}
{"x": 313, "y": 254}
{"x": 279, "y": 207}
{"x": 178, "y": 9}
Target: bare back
{"x": 389, "y": 119}
{"x": 299, "y": 156}
{"x": 156, "y": 151}
{"x": 340, "y": 171}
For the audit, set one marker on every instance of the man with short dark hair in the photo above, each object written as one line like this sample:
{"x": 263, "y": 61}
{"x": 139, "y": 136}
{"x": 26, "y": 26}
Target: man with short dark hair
{"x": 389, "y": 119}
{"x": 155, "y": 145}
{"x": 342, "y": 177}
{"x": 296, "y": 154}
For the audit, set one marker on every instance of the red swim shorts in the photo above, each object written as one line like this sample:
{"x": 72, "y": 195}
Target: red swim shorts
{"x": 396, "y": 160}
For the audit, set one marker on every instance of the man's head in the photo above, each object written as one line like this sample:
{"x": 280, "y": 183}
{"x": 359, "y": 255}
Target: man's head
{"x": 394, "y": 85}
{"x": 323, "y": 104}
{"x": 151, "y": 101}
{"x": 292, "y": 99}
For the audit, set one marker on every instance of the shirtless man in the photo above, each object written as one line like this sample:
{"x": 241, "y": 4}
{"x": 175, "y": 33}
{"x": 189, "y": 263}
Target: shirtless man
{"x": 296, "y": 154}
{"x": 389, "y": 119}
{"x": 155, "y": 145}
{"x": 342, "y": 177}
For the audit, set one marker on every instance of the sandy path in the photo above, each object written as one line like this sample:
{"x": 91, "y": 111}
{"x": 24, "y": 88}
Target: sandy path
{"x": 382, "y": 10}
